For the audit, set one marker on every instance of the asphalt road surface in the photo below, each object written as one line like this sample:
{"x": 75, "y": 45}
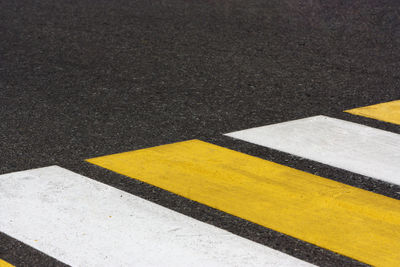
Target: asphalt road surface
{"x": 82, "y": 79}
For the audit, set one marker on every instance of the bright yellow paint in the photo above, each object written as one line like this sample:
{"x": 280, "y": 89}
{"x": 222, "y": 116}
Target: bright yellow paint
{"x": 5, "y": 264}
{"x": 354, "y": 222}
{"x": 389, "y": 111}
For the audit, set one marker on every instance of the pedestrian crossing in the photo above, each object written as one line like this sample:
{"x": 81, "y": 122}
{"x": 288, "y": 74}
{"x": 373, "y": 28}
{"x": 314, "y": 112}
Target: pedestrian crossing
{"x": 82, "y": 222}
{"x": 292, "y": 202}
{"x": 338, "y": 143}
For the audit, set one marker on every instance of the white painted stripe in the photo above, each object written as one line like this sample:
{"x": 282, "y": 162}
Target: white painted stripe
{"x": 350, "y": 146}
{"x": 82, "y": 222}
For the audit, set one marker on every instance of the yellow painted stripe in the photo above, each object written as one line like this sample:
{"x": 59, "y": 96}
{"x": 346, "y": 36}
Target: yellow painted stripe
{"x": 354, "y": 222}
{"x": 389, "y": 111}
{"x": 5, "y": 264}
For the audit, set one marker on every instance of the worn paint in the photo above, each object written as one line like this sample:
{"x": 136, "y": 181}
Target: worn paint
{"x": 354, "y": 222}
{"x": 82, "y": 222}
{"x": 389, "y": 111}
{"x": 342, "y": 144}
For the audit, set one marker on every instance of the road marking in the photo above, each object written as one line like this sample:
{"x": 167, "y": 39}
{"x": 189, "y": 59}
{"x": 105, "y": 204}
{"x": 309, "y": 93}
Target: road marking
{"x": 82, "y": 222}
{"x": 389, "y": 111}
{"x": 5, "y": 264}
{"x": 354, "y": 222}
{"x": 346, "y": 145}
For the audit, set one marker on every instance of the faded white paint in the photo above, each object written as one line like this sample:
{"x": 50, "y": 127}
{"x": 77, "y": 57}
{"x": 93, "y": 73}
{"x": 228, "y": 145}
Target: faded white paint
{"x": 82, "y": 222}
{"x": 347, "y": 145}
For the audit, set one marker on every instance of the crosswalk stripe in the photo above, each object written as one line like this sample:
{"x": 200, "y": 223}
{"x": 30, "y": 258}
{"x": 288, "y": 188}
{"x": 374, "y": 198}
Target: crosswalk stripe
{"x": 5, "y": 264}
{"x": 389, "y": 111}
{"x": 354, "y": 222}
{"x": 82, "y": 222}
{"x": 342, "y": 144}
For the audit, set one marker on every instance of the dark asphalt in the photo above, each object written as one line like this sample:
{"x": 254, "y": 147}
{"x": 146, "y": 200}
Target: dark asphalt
{"x": 80, "y": 79}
